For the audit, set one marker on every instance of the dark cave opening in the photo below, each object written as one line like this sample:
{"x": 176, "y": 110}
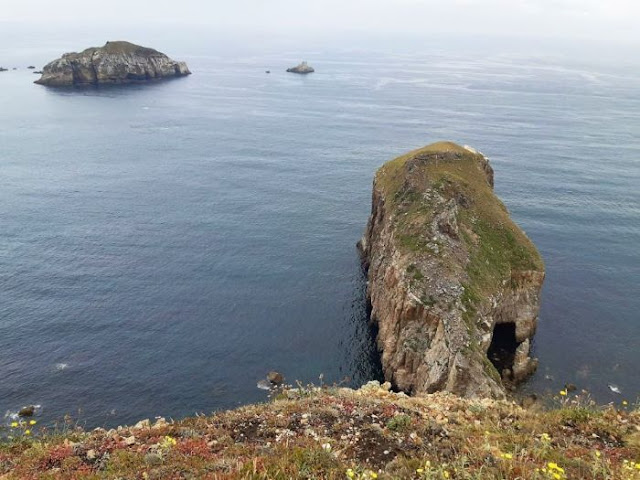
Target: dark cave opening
{"x": 502, "y": 350}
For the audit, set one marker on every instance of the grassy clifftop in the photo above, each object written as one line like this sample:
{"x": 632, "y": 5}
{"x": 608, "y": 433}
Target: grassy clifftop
{"x": 497, "y": 245}
{"x": 120, "y": 48}
{"x": 340, "y": 433}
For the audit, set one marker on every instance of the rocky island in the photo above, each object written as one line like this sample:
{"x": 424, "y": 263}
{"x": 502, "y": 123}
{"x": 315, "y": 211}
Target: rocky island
{"x": 114, "y": 63}
{"x": 303, "y": 68}
{"x": 453, "y": 283}
{"x": 2, "y": 69}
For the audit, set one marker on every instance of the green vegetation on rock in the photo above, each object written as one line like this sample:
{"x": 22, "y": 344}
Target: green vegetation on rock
{"x": 496, "y": 244}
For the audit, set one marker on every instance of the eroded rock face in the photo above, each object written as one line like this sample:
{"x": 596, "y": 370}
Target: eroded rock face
{"x": 115, "y": 63}
{"x": 446, "y": 264}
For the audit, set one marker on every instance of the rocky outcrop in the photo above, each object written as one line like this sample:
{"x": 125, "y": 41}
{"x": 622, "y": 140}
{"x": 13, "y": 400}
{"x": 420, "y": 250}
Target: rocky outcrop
{"x": 275, "y": 378}
{"x": 115, "y": 63}
{"x": 303, "y": 68}
{"x": 454, "y": 285}
{"x": 27, "y": 411}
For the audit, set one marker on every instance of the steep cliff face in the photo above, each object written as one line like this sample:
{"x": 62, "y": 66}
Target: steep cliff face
{"x": 115, "y": 63}
{"x": 454, "y": 284}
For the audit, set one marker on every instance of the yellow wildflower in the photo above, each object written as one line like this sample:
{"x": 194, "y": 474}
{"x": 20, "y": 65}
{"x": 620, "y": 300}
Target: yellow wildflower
{"x": 555, "y": 470}
{"x": 27, "y": 432}
{"x": 350, "y": 473}
{"x": 32, "y": 422}
{"x": 625, "y": 403}
{"x": 598, "y": 454}
{"x": 420, "y": 470}
{"x": 445, "y": 474}
{"x": 14, "y": 424}
{"x": 563, "y": 393}
{"x": 168, "y": 442}
{"x": 373, "y": 475}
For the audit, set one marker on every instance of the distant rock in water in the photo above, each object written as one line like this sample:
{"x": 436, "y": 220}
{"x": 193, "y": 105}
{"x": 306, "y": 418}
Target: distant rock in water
{"x": 31, "y": 67}
{"x": 275, "y": 378}
{"x": 3, "y": 69}
{"x": 115, "y": 63}
{"x": 453, "y": 283}
{"x": 27, "y": 411}
{"x": 302, "y": 68}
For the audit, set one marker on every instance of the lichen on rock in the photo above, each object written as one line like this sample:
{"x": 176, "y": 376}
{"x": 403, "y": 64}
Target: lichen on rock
{"x": 114, "y": 63}
{"x": 447, "y": 265}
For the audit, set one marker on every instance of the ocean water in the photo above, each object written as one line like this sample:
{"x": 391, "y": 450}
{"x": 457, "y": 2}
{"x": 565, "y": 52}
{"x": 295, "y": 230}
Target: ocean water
{"x": 162, "y": 247}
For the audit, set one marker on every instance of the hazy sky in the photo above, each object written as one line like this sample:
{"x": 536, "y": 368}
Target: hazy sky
{"x": 607, "y": 19}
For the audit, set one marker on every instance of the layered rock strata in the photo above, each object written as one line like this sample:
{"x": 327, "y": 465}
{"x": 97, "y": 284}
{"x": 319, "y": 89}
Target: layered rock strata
{"x": 114, "y": 63}
{"x": 452, "y": 280}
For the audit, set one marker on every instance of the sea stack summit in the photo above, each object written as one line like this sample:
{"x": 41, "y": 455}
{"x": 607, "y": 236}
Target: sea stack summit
{"x": 114, "y": 63}
{"x": 453, "y": 283}
{"x": 303, "y": 68}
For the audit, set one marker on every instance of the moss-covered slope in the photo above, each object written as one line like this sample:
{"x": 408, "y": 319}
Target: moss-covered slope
{"x": 497, "y": 246}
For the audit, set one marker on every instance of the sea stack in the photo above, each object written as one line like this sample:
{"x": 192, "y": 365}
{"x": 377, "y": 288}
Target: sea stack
{"x": 453, "y": 283}
{"x": 114, "y": 63}
{"x": 303, "y": 68}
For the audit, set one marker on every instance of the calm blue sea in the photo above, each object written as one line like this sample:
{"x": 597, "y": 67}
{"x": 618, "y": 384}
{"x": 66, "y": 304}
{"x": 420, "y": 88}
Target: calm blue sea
{"x": 163, "y": 247}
